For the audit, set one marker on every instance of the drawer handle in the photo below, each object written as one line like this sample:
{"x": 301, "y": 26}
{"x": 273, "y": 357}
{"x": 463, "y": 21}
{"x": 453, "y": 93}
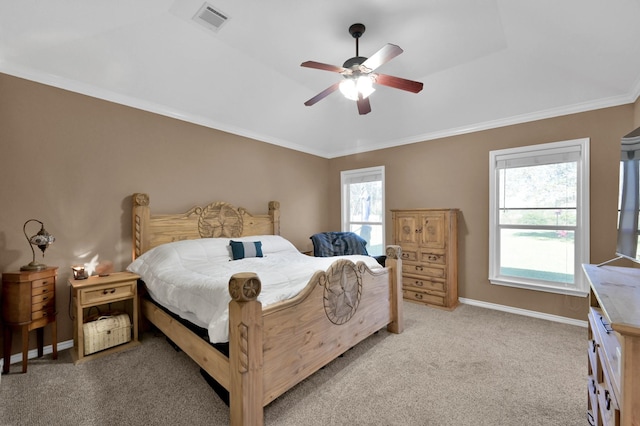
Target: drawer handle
{"x": 44, "y": 314}
{"x": 432, "y": 257}
{"x": 606, "y": 395}
{"x": 594, "y": 345}
{"x": 593, "y": 383}
{"x": 45, "y": 298}
{"x": 44, "y": 290}
{"x": 109, "y": 291}
{"x": 419, "y": 268}
{"x": 606, "y": 325}
{"x": 419, "y": 283}
{"x": 418, "y": 296}
{"x": 45, "y": 282}
{"x": 405, "y": 255}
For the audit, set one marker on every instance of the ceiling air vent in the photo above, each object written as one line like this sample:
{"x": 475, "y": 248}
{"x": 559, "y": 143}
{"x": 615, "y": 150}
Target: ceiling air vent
{"x": 210, "y": 18}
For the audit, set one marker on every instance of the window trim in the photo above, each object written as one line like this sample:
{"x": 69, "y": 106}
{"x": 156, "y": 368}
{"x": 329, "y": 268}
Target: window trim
{"x": 582, "y": 231}
{"x": 345, "y": 175}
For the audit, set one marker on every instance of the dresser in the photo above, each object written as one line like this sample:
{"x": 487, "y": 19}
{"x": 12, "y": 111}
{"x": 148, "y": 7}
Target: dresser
{"x": 429, "y": 241}
{"x": 613, "y": 383}
{"x": 28, "y": 303}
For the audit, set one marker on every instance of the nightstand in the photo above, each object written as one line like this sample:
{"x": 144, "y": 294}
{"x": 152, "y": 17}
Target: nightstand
{"x": 28, "y": 303}
{"x": 99, "y": 291}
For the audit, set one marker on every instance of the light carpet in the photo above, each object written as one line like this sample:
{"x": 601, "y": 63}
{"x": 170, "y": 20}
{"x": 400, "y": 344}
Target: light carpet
{"x": 471, "y": 366}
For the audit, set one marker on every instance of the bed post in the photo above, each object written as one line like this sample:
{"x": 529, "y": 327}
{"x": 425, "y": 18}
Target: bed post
{"x": 394, "y": 263}
{"x": 245, "y": 351}
{"x": 274, "y": 212}
{"x": 140, "y": 223}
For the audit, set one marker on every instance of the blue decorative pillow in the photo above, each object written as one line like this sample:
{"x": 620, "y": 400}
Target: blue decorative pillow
{"x": 242, "y": 249}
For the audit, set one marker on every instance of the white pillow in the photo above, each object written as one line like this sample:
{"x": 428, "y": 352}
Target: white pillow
{"x": 210, "y": 250}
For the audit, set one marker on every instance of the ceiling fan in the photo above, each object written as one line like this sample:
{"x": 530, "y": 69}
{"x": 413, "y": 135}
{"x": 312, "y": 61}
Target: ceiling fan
{"x": 359, "y": 75}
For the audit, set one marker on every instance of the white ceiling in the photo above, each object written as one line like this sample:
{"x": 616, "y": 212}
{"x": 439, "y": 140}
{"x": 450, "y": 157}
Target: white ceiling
{"x": 484, "y": 63}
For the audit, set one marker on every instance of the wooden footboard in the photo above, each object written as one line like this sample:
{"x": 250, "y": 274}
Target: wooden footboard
{"x": 272, "y": 350}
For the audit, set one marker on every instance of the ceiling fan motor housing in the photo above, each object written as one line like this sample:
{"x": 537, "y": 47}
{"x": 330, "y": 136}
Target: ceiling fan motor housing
{"x": 356, "y": 61}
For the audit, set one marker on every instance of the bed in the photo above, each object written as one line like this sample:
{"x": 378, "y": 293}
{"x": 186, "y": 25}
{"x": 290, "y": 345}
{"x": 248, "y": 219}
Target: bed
{"x": 271, "y": 348}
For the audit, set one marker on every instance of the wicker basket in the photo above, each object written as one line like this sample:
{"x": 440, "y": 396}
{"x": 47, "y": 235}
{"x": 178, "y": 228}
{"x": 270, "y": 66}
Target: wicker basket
{"x": 106, "y": 332}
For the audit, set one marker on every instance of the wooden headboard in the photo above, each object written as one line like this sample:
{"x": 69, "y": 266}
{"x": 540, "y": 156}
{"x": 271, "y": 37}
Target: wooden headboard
{"x": 217, "y": 219}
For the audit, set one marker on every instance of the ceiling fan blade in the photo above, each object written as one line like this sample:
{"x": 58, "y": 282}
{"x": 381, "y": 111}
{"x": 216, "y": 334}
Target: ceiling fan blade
{"x": 382, "y": 56}
{"x": 321, "y": 66}
{"x": 398, "y": 83}
{"x": 364, "y": 107}
{"x": 326, "y": 92}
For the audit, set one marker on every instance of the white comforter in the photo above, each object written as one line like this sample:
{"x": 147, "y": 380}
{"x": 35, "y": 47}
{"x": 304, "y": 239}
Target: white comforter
{"x": 190, "y": 278}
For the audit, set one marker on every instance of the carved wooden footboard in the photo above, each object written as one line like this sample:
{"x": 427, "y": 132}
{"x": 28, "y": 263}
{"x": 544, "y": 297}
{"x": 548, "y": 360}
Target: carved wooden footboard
{"x": 273, "y": 349}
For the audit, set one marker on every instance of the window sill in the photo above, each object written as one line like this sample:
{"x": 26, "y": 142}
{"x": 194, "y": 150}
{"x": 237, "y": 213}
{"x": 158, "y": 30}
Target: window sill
{"x": 539, "y": 287}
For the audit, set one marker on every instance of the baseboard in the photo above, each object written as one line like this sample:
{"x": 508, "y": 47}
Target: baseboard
{"x": 525, "y": 312}
{"x": 33, "y": 353}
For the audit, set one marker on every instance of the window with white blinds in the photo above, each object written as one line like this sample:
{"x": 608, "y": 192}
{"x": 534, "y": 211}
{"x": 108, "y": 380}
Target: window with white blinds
{"x": 363, "y": 206}
{"x": 539, "y": 216}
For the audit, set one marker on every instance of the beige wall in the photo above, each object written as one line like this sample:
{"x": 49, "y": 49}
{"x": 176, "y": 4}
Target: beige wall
{"x": 73, "y": 162}
{"x": 454, "y": 172}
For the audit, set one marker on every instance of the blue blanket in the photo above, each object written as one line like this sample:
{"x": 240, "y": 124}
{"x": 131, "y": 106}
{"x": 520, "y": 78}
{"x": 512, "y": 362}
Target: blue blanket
{"x": 326, "y": 244}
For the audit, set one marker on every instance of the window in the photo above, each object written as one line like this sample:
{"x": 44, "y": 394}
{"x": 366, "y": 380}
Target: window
{"x": 363, "y": 206}
{"x": 539, "y": 217}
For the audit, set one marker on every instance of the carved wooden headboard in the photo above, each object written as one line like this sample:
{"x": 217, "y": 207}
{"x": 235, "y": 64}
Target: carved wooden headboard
{"x": 217, "y": 219}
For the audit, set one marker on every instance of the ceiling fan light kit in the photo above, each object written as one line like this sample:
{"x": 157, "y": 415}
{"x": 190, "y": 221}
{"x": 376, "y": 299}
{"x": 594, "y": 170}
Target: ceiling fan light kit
{"x": 351, "y": 87}
{"x": 359, "y": 76}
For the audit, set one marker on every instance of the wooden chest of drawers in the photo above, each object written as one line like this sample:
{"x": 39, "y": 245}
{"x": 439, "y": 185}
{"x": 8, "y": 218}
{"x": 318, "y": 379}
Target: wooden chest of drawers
{"x": 613, "y": 383}
{"x": 28, "y": 303}
{"x": 428, "y": 238}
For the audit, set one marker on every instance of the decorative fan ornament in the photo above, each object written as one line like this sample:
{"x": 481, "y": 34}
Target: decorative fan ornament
{"x": 360, "y": 76}
{"x": 220, "y": 220}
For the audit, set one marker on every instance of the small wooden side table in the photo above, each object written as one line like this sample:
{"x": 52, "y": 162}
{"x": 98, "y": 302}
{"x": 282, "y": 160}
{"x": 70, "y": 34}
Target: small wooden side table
{"x": 97, "y": 291}
{"x": 29, "y": 303}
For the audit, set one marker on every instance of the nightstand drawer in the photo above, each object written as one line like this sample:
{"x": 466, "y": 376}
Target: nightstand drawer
{"x": 44, "y": 287}
{"x": 42, "y": 282}
{"x": 107, "y": 293}
{"x": 44, "y": 305}
{"x": 40, "y": 298}
{"x": 43, "y": 314}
